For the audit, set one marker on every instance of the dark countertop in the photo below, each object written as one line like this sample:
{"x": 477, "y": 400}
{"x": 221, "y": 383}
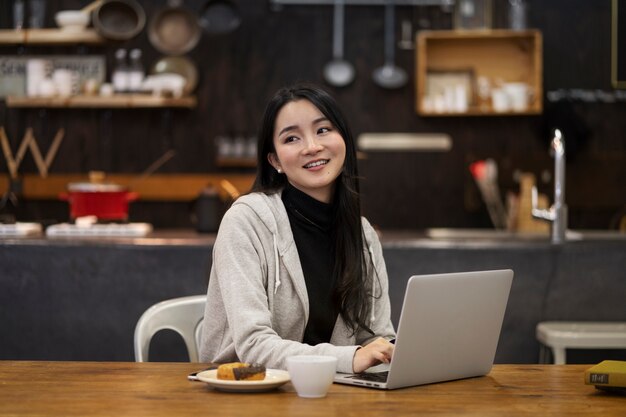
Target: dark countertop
{"x": 432, "y": 238}
{"x": 80, "y": 298}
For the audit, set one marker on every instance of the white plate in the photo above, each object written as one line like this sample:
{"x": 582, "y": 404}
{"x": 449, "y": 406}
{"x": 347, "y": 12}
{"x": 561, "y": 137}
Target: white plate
{"x": 274, "y": 378}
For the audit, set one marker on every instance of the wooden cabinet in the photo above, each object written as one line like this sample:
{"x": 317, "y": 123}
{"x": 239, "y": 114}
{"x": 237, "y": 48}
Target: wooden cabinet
{"x": 469, "y": 58}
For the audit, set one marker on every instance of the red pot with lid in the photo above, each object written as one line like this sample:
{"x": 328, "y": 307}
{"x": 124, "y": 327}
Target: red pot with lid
{"x": 106, "y": 201}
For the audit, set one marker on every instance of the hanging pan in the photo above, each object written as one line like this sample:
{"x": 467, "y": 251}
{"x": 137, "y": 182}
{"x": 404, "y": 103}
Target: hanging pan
{"x": 219, "y": 16}
{"x": 174, "y": 29}
{"x": 119, "y": 19}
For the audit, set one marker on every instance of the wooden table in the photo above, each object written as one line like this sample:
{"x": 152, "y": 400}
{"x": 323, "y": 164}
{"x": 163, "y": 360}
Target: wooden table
{"x": 161, "y": 389}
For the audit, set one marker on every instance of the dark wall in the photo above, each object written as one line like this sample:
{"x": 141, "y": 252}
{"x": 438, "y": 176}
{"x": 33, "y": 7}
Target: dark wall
{"x": 239, "y": 71}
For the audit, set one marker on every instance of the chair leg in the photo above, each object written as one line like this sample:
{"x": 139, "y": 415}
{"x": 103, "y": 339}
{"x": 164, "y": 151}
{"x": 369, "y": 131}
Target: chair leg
{"x": 559, "y": 355}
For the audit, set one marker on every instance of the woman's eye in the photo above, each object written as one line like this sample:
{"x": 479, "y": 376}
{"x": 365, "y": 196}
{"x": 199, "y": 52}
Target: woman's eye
{"x": 290, "y": 139}
{"x": 323, "y": 130}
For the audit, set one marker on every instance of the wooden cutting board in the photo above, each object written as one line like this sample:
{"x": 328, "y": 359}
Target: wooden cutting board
{"x": 525, "y": 220}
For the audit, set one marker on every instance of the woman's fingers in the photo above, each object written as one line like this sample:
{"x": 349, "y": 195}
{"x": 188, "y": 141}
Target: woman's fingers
{"x": 378, "y": 351}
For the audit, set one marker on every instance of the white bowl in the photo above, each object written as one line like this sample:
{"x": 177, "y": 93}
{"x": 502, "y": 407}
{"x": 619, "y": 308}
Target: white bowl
{"x": 72, "y": 20}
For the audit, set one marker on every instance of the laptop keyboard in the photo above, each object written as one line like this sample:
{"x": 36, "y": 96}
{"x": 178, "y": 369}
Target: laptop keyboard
{"x": 372, "y": 376}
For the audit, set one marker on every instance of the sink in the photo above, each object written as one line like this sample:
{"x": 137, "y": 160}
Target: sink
{"x": 493, "y": 234}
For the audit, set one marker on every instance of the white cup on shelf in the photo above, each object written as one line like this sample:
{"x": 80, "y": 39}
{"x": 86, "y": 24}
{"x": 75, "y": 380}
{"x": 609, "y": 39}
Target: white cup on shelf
{"x": 499, "y": 100}
{"x": 64, "y": 82}
{"x": 518, "y": 94}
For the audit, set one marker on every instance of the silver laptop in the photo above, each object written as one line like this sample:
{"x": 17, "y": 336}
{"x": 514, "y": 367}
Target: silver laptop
{"x": 449, "y": 329}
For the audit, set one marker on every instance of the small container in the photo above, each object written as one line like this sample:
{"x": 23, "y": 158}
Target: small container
{"x": 518, "y": 14}
{"x": 119, "y": 78}
{"x": 207, "y": 211}
{"x": 18, "y": 14}
{"x": 72, "y": 20}
{"x": 472, "y": 14}
{"x": 136, "y": 72}
{"x": 37, "y": 13}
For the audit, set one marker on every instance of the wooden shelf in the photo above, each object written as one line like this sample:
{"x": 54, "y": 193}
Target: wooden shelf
{"x": 236, "y": 162}
{"x": 49, "y": 37}
{"x": 156, "y": 187}
{"x": 506, "y": 55}
{"x": 115, "y": 101}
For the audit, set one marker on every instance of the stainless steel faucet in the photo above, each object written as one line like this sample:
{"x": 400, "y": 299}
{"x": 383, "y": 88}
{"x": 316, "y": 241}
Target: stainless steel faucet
{"x": 557, "y": 214}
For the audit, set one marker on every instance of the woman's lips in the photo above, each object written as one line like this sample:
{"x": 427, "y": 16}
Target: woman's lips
{"x": 316, "y": 164}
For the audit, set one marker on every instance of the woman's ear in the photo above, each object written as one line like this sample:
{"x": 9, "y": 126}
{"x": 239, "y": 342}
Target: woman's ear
{"x": 273, "y": 160}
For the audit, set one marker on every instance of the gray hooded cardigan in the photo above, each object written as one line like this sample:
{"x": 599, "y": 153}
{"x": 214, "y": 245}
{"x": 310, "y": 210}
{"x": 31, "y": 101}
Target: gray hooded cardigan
{"x": 257, "y": 304}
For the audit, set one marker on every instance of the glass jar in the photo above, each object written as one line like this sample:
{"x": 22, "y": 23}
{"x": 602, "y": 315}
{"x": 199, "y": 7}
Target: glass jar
{"x": 472, "y": 14}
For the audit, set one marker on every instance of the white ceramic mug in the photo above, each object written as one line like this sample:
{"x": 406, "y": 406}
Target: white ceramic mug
{"x": 499, "y": 100}
{"x": 312, "y": 375}
{"x": 63, "y": 81}
{"x": 518, "y": 95}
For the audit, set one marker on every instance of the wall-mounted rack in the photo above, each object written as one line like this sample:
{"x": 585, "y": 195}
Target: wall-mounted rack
{"x": 279, "y": 3}
{"x": 586, "y": 96}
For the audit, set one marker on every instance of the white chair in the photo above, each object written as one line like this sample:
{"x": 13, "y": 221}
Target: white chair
{"x": 184, "y": 315}
{"x": 562, "y": 335}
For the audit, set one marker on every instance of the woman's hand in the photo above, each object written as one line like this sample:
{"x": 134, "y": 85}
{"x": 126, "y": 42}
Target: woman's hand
{"x": 374, "y": 353}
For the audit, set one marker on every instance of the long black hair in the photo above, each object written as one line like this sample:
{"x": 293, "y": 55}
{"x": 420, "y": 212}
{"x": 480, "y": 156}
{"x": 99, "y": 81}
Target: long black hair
{"x": 351, "y": 295}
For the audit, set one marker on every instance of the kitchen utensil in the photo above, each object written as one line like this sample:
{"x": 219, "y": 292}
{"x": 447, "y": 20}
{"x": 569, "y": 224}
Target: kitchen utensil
{"x": 338, "y": 72}
{"x": 180, "y": 65}
{"x": 230, "y": 189}
{"x": 485, "y": 174}
{"x": 119, "y": 19}
{"x": 92, "y": 6}
{"x": 406, "y": 42}
{"x": 106, "y": 201}
{"x": 174, "y": 30}
{"x": 154, "y": 166}
{"x": 72, "y": 20}
{"x": 389, "y": 75}
{"x": 220, "y": 16}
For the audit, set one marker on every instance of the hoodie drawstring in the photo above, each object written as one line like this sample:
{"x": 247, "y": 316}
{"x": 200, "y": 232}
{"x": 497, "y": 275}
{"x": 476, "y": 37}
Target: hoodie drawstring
{"x": 277, "y": 279}
{"x": 373, "y": 309}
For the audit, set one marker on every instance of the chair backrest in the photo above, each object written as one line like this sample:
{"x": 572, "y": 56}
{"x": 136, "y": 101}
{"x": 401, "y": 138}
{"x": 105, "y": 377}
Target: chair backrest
{"x": 184, "y": 315}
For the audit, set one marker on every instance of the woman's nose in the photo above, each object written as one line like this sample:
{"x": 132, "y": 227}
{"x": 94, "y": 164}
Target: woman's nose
{"x": 313, "y": 145}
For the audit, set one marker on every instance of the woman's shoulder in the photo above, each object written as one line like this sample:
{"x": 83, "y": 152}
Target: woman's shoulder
{"x": 252, "y": 207}
{"x": 257, "y": 198}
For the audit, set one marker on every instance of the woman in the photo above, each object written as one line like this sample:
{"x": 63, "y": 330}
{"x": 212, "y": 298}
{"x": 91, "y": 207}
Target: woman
{"x": 296, "y": 270}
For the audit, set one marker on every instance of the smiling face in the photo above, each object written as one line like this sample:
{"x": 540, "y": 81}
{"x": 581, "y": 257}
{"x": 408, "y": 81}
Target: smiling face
{"x": 310, "y": 151}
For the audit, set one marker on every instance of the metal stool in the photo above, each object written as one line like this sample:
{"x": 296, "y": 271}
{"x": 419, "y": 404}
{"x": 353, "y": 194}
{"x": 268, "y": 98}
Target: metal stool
{"x": 561, "y": 335}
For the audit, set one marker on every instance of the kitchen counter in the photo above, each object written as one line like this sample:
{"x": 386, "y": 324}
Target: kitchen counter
{"x": 79, "y": 298}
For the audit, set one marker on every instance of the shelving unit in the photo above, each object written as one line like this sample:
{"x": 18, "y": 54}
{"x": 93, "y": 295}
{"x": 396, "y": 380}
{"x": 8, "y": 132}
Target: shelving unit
{"x": 49, "y": 37}
{"x": 156, "y": 187}
{"x": 115, "y": 101}
{"x": 510, "y": 56}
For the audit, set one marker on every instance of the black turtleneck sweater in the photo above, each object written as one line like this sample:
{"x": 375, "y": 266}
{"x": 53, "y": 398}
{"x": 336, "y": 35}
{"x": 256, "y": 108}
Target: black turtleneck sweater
{"x": 311, "y": 223}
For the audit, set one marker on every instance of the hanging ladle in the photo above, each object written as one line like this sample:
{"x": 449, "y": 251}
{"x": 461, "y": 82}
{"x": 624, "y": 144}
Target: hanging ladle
{"x": 338, "y": 72}
{"x": 389, "y": 76}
